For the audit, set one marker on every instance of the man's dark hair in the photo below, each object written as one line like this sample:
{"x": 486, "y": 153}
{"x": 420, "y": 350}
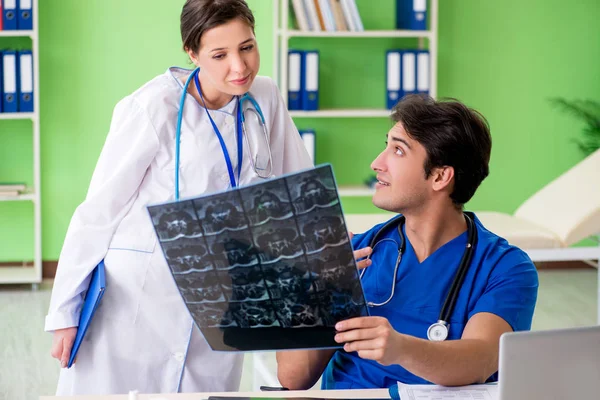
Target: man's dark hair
{"x": 453, "y": 135}
{"x": 198, "y": 16}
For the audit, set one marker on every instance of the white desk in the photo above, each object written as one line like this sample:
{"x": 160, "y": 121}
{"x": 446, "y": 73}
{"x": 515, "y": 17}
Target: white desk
{"x": 323, "y": 394}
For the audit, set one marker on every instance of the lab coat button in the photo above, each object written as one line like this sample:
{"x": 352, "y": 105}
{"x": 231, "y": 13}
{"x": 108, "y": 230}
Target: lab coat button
{"x": 178, "y": 356}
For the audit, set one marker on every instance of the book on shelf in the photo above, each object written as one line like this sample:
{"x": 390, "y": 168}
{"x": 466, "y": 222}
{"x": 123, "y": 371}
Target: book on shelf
{"x": 327, "y": 15}
{"x": 12, "y": 187}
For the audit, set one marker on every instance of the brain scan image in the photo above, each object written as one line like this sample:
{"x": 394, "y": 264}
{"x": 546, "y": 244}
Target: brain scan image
{"x": 212, "y": 315}
{"x": 277, "y": 240}
{"x": 322, "y": 229}
{"x": 232, "y": 249}
{"x": 175, "y": 221}
{"x": 266, "y": 202}
{"x": 221, "y": 212}
{"x": 244, "y": 284}
{"x": 185, "y": 255}
{"x": 255, "y": 314}
{"x": 199, "y": 287}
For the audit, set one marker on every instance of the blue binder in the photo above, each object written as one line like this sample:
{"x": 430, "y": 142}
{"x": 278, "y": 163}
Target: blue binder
{"x": 393, "y": 73}
{"x": 1, "y": 80}
{"x": 411, "y": 14}
{"x": 90, "y": 304}
{"x": 295, "y": 79}
{"x": 25, "y": 84}
{"x": 10, "y": 76}
{"x": 408, "y": 67}
{"x": 24, "y": 18}
{"x": 423, "y": 71}
{"x": 9, "y": 15}
{"x": 310, "y": 95}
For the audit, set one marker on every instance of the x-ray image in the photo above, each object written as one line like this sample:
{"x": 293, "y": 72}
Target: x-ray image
{"x": 244, "y": 284}
{"x": 198, "y": 287}
{"x": 277, "y": 239}
{"x": 265, "y": 202}
{"x": 323, "y": 228}
{"x": 268, "y": 266}
{"x": 333, "y": 268}
{"x": 185, "y": 255}
{"x": 288, "y": 278}
{"x": 220, "y": 212}
{"x": 255, "y": 314}
{"x": 342, "y": 305}
{"x": 212, "y": 315}
{"x": 312, "y": 189}
{"x": 232, "y": 248}
{"x": 175, "y": 221}
{"x": 300, "y": 311}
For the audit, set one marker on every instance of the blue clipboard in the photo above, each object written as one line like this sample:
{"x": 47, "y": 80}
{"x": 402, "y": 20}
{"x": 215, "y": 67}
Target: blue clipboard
{"x": 90, "y": 304}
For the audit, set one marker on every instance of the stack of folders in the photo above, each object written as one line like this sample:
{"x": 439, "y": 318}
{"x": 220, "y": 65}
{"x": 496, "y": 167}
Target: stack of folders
{"x": 411, "y": 15}
{"x": 327, "y": 15}
{"x": 16, "y": 15}
{"x": 16, "y": 83}
{"x": 407, "y": 72}
{"x": 11, "y": 189}
{"x": 309, "y": 138}
{"x": 303, "y": 80}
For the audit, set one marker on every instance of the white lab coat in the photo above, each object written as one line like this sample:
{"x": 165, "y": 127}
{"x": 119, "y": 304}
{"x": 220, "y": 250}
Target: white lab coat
{"x": 142, "y": 337}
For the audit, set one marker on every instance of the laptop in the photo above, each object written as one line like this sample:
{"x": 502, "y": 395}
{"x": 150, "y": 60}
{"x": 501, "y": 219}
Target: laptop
{"x": 554, "y": 364}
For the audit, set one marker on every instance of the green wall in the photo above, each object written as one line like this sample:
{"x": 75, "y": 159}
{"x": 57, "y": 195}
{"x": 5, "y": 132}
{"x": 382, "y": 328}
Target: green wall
{"x": 504, "y": 58}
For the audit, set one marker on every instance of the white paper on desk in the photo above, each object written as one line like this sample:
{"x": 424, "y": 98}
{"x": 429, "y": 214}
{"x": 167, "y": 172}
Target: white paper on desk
{"x": 434, "y": 392}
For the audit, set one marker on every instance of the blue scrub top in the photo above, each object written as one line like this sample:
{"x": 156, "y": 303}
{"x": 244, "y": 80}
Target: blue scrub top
{"x": 501, "y": 280}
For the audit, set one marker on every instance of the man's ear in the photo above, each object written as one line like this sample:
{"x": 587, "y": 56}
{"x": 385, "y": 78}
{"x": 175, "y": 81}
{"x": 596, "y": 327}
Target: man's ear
{"x": 443, "y": 178}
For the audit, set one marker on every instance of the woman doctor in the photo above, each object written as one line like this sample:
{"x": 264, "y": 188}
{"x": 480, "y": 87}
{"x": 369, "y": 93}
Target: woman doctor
{"x": 143, "y": 337}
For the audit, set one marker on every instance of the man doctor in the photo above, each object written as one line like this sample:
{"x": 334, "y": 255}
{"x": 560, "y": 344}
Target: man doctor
{"x": 435, "y": 157}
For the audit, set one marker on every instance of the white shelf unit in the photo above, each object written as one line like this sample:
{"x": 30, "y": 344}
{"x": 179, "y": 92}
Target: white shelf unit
{"x": 20, "y": 273}
{"x": 282, "y": 35}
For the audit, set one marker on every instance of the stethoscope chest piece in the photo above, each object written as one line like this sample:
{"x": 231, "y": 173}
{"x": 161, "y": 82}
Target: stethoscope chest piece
{"x": 438, "y": 332}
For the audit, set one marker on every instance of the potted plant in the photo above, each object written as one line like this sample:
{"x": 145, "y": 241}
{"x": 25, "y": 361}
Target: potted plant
{"x": 589, "y": 112}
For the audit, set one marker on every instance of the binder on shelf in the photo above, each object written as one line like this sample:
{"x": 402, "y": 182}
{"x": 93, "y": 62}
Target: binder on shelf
{"x": 25, "y": 18}
{"x": 411, "y": 14}
{"x": 1, "y": 19}
{"x": 309, "y": 139}
{"x": 295, "y": 79}
{"x": 10, "y": 72}
{"x": 423, "y": 71}
{"x": 392, "y": 67}
{"x": 408, "y": 66}
{"x": 1, "y": 78}
{"x": 9, "y": 15}
{"x": 310, "y": 94}
{"x": 90, "y": 304}
{"x": 301, "y": 15}
{"x": 25, "y": 84}
{"x": 313, "y": 16}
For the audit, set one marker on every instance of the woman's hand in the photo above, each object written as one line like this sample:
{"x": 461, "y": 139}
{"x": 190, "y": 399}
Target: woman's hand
{"x": 62, "y": 343}
{"x": 360, "y": 254}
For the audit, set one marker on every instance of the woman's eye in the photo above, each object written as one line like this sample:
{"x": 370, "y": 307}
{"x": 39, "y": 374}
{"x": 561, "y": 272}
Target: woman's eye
{"x": 219, "y": 56}
{"x": 247, "y": 48}
{"x": 399, "y": 151}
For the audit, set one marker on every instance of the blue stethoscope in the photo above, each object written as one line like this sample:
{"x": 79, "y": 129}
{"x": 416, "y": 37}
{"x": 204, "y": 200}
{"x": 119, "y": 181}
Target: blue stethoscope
{"x": 438, "y": 331}
{"x": 241, "y": 132}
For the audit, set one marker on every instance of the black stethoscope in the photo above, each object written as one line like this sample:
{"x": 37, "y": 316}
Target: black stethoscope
{"x": 438, "y": 331}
